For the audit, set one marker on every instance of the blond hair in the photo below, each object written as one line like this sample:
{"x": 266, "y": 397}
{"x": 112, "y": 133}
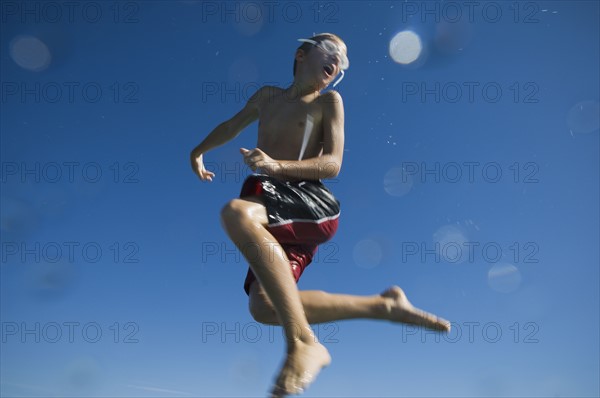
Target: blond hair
{"x": 306, "y": 47}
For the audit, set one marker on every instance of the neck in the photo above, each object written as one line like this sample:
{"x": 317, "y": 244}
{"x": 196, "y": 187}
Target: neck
{"x": 303, "y": 88}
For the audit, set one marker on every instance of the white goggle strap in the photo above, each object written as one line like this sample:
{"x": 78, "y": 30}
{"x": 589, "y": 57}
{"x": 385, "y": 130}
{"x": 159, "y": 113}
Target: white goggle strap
{"x": 308, "y": 41}
{"x": 340, "y": 79}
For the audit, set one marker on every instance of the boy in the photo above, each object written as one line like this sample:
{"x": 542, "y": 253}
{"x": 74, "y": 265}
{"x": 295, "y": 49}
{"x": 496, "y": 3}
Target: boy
{"x": 285, "y": 211}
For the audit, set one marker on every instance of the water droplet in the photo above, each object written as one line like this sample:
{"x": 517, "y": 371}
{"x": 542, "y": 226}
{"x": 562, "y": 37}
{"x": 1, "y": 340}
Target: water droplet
{"x": 584, "y": 117}
{"x": 397, "y": 182}
{"x": 504, "y": 278}
{"x": 450, "y": 243}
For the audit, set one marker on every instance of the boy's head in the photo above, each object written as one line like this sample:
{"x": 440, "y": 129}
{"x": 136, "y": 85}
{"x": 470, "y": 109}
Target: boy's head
{"x": 327, "y": 50}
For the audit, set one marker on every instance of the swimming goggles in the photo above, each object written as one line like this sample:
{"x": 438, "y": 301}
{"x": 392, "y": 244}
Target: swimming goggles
{"x": 330, "y": 48}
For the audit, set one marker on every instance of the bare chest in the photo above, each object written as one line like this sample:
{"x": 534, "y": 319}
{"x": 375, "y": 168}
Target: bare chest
{"x": 286, "y": 128}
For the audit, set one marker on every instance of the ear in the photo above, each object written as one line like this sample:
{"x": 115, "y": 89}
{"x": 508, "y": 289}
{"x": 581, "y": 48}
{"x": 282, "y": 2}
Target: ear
{"x": 300, "y": 54}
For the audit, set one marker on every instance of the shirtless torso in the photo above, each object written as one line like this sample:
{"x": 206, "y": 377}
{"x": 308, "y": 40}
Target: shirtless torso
{"x": 282, "y": 124}
{"x": 283, "y": 118}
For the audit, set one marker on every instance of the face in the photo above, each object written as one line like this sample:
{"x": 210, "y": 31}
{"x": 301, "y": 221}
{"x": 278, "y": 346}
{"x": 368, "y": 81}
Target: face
{"x": 326, "y": 60}
{"x": 336, "y": 50}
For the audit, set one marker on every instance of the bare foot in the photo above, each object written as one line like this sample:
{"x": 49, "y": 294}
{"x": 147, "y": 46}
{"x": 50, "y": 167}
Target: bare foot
{"x": 399, "y": 309}
{"x": 304, "y": 361}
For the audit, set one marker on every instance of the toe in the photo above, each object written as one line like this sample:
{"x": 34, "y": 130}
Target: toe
{"x": 438, "y": 323}
{"x": 284, "y": 389}
{"x": 444, "y": 325}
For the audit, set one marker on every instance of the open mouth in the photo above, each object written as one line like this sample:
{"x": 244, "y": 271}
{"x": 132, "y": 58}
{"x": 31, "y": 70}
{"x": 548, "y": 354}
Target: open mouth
{"x": 328, "y": 70}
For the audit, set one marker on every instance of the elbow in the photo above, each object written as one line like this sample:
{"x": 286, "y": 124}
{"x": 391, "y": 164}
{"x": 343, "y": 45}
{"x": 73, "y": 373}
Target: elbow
{"x": 335, "y": 172}
{"x": 332, "y": 169}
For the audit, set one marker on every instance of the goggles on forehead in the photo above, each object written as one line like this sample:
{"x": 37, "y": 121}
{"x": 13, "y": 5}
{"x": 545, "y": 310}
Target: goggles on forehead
{"x": 331, "y": 48}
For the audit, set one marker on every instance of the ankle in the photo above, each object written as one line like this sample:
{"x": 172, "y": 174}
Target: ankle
{"x": 382, "y": 306}
{"x": 301, "y": 337}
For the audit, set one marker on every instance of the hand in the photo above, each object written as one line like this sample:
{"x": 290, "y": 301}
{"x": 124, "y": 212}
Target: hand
{"x": 257, "y": 159}
{"x": 198, "y": 167}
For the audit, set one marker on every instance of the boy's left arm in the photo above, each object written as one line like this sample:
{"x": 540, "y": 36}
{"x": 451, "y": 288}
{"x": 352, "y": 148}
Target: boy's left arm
{"x": 327, "y": 165}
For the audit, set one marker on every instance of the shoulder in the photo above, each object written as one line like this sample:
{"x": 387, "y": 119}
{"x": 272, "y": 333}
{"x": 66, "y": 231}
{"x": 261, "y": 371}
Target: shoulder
{"x": 331, "y": 101}
{"x": 263, "y": 95}
{"x": 267, "y": 92}
{"x": 330, "y": 97}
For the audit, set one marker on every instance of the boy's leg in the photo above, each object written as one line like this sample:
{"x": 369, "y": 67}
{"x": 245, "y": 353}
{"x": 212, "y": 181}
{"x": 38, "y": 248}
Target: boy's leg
{"x": 321, "y": 307}
{"x": 245, "y": 221}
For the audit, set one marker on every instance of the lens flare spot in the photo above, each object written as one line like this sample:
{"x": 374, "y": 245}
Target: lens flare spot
{"x": 452, "y": 37}
{"x": 397, "y": 182}
{"x": 405, "y": 47}
{"x": 18, "y": 219}
{"x": 584, "y": 117}
{"x": 451, "y": 243}
{"x": 30, "y": 53}
{"x": 367, "y": 253}
{"x": 51, "y": 280}
{"x": 83, "y": 377}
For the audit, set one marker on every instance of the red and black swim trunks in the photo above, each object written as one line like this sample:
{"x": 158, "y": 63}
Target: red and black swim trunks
{"x": 302, "y": 215}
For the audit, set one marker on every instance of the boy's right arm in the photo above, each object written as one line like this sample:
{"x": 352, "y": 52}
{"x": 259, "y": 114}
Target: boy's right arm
{"x": 224, "y": 133}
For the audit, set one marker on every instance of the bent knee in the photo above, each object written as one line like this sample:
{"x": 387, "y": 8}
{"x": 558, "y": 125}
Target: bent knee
{"x": 233, "y": 212}
{"x": 239, "y": 211}
{"x": 263, "y": 313}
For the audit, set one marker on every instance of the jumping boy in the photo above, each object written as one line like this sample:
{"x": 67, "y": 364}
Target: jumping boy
{"x": 284, "y": 212}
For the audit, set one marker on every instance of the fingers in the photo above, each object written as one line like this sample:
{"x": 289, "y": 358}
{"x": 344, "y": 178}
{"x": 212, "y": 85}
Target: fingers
{"x": 251, "y": 158}
{"x": 252, "y": 152}
{"x": 206, "y": 175}
{"x": 255, "y": 158}
{"x": 201, "y": 172}
{"x": 253, "y": 162}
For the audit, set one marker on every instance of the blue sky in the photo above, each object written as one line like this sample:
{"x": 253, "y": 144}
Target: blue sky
{"x": 470, "y": 179}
